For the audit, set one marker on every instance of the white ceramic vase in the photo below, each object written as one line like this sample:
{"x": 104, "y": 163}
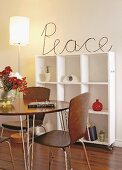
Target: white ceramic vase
{"x": 47, "y": 77}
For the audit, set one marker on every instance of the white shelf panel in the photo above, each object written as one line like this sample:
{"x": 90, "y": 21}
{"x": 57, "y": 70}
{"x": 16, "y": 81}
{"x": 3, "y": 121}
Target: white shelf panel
{"x": 79, "y": 83}
{"x": 102, "y": 112}
{"x": 72, "y": 83}
{"x": 95, "y": 83}
{"x": 97, "y": 142}
{"x": 47, "y": 82}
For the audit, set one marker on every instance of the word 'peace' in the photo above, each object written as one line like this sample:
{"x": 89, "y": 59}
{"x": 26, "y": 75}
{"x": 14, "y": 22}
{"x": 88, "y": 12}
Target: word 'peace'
{"x": 67, "y": 47}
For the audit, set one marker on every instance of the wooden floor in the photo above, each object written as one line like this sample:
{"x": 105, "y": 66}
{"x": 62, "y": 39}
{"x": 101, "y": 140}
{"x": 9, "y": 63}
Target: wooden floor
{"x": 100, "y": 158}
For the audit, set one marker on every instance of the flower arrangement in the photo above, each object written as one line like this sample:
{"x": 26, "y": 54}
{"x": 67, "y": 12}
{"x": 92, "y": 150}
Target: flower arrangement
{"x": 12, "y": 81}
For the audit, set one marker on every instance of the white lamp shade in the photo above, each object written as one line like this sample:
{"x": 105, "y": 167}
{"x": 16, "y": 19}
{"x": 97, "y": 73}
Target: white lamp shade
{"x": 19, "y": 30}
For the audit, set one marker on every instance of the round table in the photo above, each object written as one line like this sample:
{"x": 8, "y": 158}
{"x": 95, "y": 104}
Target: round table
{"x": 20, "y": 108}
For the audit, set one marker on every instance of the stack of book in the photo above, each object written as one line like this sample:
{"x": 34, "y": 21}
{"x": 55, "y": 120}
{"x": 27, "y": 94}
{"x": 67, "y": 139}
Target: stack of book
{"x": 91, "y": 133}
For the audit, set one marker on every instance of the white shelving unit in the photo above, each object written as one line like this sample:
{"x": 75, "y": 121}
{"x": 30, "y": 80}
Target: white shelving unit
{"x": 95, "y": 73}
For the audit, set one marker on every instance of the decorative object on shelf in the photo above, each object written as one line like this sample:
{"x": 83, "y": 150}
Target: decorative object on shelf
{"x": 11, "y": 83}
{"x": 47, "y": 74}
{"x": 101, "y": 136}
{"x": 70, "y": 78}
{"x": 97, "y": 105}
{"x": 87, "y": 134}
{"x": 91, "y": 133}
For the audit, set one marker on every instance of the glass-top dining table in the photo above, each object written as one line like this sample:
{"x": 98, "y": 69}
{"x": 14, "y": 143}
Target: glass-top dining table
{"x": 20, "y": 108}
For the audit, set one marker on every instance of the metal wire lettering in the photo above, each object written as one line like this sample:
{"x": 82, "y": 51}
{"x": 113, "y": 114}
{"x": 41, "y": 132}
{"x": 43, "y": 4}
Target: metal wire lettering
{"x": 76, "y": 47}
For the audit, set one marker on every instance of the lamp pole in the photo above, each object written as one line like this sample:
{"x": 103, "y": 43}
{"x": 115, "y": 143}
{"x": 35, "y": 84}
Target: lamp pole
{"x": 19, "y": 58}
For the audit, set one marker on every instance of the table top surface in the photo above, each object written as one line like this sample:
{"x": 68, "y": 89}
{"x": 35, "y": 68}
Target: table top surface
{"x": 20, "y": 107}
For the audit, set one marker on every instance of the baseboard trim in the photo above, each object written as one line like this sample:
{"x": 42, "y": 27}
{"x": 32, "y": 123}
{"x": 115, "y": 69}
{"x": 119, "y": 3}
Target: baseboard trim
{"x": 118, "y": 143}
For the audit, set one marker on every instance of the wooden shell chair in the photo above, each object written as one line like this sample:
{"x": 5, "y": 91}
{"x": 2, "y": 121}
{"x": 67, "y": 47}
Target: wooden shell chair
{"x": 77, "y": 120}
{"x": 35, "y": 94}
{"x": 6, "y": 139}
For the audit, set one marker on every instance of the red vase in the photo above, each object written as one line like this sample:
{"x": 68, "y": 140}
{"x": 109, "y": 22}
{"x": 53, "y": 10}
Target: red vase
{"x": 97, "y": 106}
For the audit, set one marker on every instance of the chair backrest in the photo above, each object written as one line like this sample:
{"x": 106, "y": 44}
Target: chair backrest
{"x": 77, "y": 119}
{"x": 35, "y": 94}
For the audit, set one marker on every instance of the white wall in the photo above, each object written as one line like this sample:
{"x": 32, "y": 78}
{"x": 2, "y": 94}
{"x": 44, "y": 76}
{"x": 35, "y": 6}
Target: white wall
{"x": 75, "y": 19}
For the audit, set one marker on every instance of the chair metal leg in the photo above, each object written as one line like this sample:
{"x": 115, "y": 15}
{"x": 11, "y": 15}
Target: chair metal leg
{"x": 66, "y": 158}
{"x": 32, "y": 144}
{"x": 86, "y": 154}
{"x": 67, "y": 154}
{"x": 10, "y": 150}
{"x": 69, "y": 158}
{"x": 23, "y": 142}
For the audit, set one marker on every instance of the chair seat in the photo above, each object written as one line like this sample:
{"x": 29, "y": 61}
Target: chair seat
{"x": 55, "y": 138}
{"x": 15, "y": 125}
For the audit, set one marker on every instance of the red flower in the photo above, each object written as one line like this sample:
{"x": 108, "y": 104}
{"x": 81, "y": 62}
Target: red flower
{"x": 15, "y": 87}
{"x": 9, "y": 82}
{"x": 19, "y": 82}
{"x": 7, "y": 70}
{"x": 10, "y": 79}
{"x": 14, "y": 79}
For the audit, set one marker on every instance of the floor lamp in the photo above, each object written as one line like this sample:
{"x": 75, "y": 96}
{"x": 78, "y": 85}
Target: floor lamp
{"x": 19, "y": 36}
{"x": 19, "y": 33}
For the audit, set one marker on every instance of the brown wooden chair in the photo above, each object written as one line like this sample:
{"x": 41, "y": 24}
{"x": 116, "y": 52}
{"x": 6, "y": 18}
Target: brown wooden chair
{"x": 77, "y": 120}
{"x": 35, "y": 94}
{"x": 6, "y": 139}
